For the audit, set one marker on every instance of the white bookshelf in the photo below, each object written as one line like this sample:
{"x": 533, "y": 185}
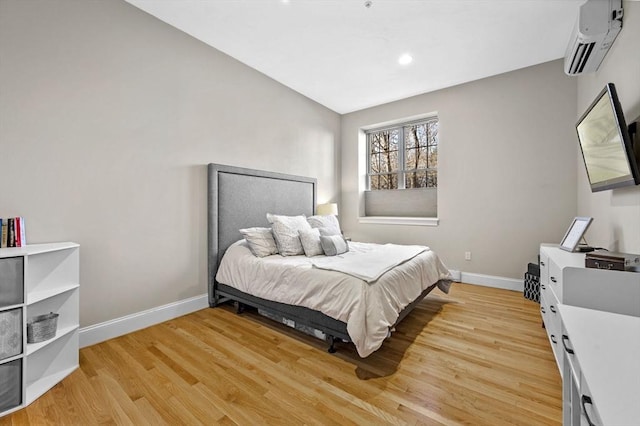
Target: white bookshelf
{"x": 51, "y": 283}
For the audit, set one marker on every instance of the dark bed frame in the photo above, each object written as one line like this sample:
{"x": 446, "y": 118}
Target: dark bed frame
{"x": 240, "y": 198}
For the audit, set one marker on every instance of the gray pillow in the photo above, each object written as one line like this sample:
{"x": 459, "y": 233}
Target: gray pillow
{"x": 327, "y": 232}
{"x": 285, "y": 231}
{"x": 329, "y": 222}
{"x": 334, "y": 245}
{"x": 260, "y": 240}
{"x": 311, "y": 242}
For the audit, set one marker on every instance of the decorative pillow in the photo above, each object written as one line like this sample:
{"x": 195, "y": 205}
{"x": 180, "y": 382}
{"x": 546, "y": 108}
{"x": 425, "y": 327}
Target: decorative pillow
{"x": 334, "y": 244}
{"x": 260, "y": 240}
{"x": 285, "y": 231}
{"x": 330, "y": 222}
{"x": 311, "y": 242}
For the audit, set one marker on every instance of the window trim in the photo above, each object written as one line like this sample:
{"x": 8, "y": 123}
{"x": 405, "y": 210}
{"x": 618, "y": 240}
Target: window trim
{"x": 399, "y": 220}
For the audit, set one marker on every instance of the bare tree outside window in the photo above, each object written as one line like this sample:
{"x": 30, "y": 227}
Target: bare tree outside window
{"x": 405, "y": 156}
{"x": 383, "y": 149}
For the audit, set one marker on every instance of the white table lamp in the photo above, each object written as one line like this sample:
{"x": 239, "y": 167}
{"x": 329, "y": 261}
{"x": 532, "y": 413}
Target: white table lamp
{"x": 327, "y": 209}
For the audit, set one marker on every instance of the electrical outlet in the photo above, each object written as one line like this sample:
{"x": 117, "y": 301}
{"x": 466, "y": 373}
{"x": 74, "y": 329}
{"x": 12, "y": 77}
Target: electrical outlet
{"x": 467, "y": 255}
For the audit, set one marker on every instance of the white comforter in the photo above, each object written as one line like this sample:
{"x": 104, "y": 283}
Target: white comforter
{"x": 368, "y": 309}
{"x": 368, "y": 265}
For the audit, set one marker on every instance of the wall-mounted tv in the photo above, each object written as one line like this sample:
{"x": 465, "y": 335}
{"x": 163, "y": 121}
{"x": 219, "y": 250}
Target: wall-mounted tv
{"x": 607, "y": 148}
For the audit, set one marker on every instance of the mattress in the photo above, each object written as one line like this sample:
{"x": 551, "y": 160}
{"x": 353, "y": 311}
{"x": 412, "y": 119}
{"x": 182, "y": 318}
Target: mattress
{"x": 368, "y": 309}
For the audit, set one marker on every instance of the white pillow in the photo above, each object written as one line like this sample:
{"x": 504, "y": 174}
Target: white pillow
{"x": 330, "y": 222}
{"x": 311, "y": 242}
{"x": 260, "y": 240}
{"x": 334, "y": 245}
{"x": 285, "y": 231}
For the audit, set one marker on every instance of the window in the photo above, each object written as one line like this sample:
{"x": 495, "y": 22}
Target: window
{"x": 401, "y": 160}
{"x": 404, "y": 156}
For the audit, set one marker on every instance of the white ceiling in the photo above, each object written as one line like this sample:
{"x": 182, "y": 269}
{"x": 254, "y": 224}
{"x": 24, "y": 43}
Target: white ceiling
{"x": 345, "y": 55}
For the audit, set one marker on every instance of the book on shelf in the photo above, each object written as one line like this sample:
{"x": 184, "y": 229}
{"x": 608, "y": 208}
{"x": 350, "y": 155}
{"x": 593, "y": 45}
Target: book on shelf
{"x": 11, "y": 235}
{"x": 23, "y": 232}
{"x": 13, "y": 232}
{"x": 17, "y": 225}
{"x": 5, "y": 230}
{"x": 3, "y": 240}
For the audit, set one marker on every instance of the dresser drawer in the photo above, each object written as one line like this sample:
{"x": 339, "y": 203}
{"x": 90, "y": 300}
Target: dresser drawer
{"x": 545, "y": 290}
{"x": 545, "y": 312}
{"x": 549, "y": 307}
{"x": 553, "y": 326}
{"x": 588, "y": 410}
{"x": 554, "y": 314}
{"x": 570, "y": 356}
{"x": 544, "y": 267}
{"x": 555, "y": 279}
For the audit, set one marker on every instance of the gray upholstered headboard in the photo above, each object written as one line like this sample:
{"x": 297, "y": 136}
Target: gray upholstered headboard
{"x": 241, "y": 198}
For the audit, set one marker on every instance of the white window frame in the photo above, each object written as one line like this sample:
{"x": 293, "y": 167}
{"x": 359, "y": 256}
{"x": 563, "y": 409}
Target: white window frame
{"x": 402, "y": 171}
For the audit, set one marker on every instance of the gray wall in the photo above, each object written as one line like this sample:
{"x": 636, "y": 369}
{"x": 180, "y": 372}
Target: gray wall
{"x": 108, "y": 117}
{"x": 616, "y": 213}
{"x": 507, "y": 169}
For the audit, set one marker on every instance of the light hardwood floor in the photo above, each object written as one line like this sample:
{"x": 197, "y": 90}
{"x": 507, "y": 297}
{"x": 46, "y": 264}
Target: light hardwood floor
{"x": 477, "y": 356}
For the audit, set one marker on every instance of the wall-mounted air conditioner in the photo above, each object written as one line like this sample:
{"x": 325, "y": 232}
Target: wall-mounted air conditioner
{"x": 598, "y": 24}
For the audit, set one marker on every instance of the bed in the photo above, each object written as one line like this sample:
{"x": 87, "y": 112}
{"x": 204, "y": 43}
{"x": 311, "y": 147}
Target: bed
{"x": 241, "y": 198}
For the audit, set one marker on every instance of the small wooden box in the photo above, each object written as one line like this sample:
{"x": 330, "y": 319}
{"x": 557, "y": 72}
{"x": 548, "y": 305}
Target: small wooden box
{"x": 600, "y": 259}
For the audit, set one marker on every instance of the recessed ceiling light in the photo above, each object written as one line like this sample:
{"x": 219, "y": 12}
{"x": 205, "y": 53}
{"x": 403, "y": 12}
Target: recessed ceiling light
{"x": 405, "y": 59}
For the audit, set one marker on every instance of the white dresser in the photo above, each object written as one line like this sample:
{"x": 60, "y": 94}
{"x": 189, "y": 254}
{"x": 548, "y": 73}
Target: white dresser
{"x": 592, "y": 319}
{"x": 601, "y": 367}
{"x": 564, "y": 279}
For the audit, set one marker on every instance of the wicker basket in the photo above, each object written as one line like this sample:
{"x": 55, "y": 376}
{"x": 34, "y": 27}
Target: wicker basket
{"x": 42, "y": 327}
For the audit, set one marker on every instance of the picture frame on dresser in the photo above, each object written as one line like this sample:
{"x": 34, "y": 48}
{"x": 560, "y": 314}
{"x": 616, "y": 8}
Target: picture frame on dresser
{"x": 575, "y": 233}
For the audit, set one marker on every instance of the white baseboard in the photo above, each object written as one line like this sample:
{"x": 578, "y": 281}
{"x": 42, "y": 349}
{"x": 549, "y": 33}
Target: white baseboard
{"x": 117, "y": 327}
{"x": 492, "y": 281}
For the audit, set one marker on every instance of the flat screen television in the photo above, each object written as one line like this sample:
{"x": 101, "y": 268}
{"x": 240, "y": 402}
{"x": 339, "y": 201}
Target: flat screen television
{"x": 607, "y": 148}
